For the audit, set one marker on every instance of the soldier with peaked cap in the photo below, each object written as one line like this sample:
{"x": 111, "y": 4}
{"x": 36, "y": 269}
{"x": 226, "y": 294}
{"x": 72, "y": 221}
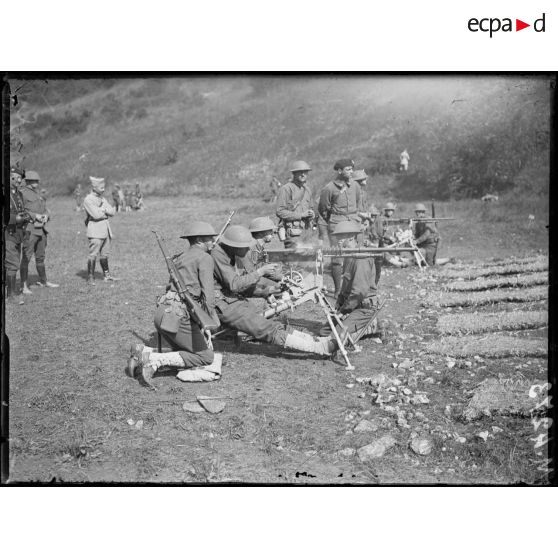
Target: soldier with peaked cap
{"x": 172, "y": 320}
{"x": 357, "y": 300}
{"x": 340, "y": 200}
{"x": 36, "y": 238}
{"x": 98, "y": 211}
{"x": 15, "y": 234}
{"x": 231, "y": 289}
{"x": 294, "y": 205}
{"x": 426, "y": 235}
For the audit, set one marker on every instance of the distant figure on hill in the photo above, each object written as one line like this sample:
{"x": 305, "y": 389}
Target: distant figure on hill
{"x": 138, "y": 199}
{"x": 78, "y": 196}
{"x": 404, "y": 161}
{"x": 127, "y": 199}
{"x": 121, "y": 199}
{"x": 489, "y": 198}
{"x": 116, "y": 197}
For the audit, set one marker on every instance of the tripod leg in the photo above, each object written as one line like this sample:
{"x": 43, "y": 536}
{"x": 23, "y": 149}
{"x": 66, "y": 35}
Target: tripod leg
{"x": 336, "y": 334}
{"x": 346, "y": 335}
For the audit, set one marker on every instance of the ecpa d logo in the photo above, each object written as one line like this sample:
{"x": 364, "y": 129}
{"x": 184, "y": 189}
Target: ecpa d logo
{"x": 492, "y": 25}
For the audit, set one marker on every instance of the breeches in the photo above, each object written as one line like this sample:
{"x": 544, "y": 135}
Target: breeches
{"x": 14, "y": 242}
{"x": 356, "y": 320}
{"x": 243, "y": 316}
{"x": 99, "y": 247}
{"x": 188, "y": 340}
{"x": 429, "y": 253}
{"x": 34, "y": 245}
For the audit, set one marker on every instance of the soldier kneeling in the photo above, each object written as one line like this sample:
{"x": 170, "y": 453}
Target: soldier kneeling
{"x": 172, "y": 320}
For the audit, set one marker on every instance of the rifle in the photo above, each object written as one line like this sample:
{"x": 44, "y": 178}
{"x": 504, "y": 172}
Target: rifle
{"x": 222, "y": 231}
{"x": 204, "y": 321}
{"x": 411, "y": 220}
{"x": 295, "y": 254}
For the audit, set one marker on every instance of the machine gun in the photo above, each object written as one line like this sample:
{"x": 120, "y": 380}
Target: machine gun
{"x": 204, "y": 321}
{"x": 296, "y": 254}
{"x": 410, "y": 220}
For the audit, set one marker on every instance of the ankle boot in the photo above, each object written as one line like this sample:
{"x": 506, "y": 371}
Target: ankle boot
{"x": 106, "y": 272}
{"x": 91, "y": 272}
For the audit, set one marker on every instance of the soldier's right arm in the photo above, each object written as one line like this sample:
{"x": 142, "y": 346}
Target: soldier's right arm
{"x": 91, "y": 206}
{"x": 226, "y": 275}
{"x": 205, "y": 276}
{"x": 283, "y": 202}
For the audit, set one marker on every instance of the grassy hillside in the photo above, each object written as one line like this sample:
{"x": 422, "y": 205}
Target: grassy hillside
{"x": 226, "y": 136}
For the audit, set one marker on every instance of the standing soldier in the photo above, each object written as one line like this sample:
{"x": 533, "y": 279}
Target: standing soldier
{"x": 404, "y": 161}
{"x": 375, "y": 236}
{"x": 172, "y": 320}
{"x": 14, "y": 234}
{"x": 98, "y": 211}
{"x": 426, "y": 235}
{"x": 340, "y": 200}
{"x": 138, "y": 198}
{"x": 236, "y": 312}
{"x": 116, "y": 198}
{"x": 361, "y": 177}
{"x": 294, "y": 205}
{"x": 36, "y": 237}
{"x": 357, "y": 300}
{"x": 121, "y": 199}
{"x": 78, "y": 197}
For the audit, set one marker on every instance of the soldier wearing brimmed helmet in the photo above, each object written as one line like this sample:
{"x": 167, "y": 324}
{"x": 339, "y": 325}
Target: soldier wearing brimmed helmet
{"x": 36, "y": 240}
{"x": 15, "y": 234}
{"x": 357, "y": 299}
{"x": 232, "y": 288}
{"x": 426, "y": 235}
{"x": 294, "y": 205}
{"x": 98, "y": 211}
{"x": 340, "y": 200}
{"x": 172, "y": 320}
{"x": 388, "y": 210}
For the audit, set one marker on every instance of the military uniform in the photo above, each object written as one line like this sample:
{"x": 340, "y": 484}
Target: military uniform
{"x": 358, "y": 296}
{"x": 377, "y": 237}
{"x": 427, "y": 238}
{"x": 171, "y": 318}
{"x": 36, "y": 238}
{"x": 14, "y": 239}
{"x": 293, "y": 203}
{"x": 234, "y": 311}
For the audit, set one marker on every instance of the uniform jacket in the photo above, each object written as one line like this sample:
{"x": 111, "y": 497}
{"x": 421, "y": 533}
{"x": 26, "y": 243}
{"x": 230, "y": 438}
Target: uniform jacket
{"x": 17, "y": 205}
{"x": 293, "y": 202}
{"x": 425, "y": 233}
{"x": 98, "y": 210}
{"x": 377, "y": 232}
{"x": 359, "y": 283}
{"x": 340, "y": 201}
{"x": 256, "y": 257}
{"x": 35, "y": 204}
{"x": 228, "y": 283}
{"x": 196, "y": 268}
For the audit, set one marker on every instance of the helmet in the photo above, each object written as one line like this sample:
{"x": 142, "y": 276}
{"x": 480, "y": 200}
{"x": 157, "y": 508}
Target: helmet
{"x": 17, "y": 170}
{"x": 359, "y": 175}
{"x": 420, "y": 207}
{"x": 347, "y": 227}
{"x": 374, "y": 210}
{"x": 198, "y": 228}
{"x": 300, "y": 166}
{"x": 342, "y": 163}
{"x": 32, "y": 175}
{"x": 237, "y": 236}
{"x": 389, "y": 205}
{"x": 261, "y": 224}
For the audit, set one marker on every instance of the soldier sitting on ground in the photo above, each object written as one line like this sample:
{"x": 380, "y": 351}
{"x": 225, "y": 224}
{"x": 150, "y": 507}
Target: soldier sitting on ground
{"x": 172, "y": 320}
{"x": 231, "y": 289}
{"x": 375, "y": 235}
{"x": 357, "y": 300}
{"x": 426, "y": 235}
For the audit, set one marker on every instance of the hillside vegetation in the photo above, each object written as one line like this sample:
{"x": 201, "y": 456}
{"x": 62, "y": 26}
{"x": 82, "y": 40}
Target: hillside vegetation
{"x": 228, "y": 135}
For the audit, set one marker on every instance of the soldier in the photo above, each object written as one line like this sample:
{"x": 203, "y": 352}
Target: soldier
{"x": 388, "y": 210}
{"x": 78, "y": 197}
{"x": 172, "y": 321}
{"x": 138, "y": 199}
{"x": 340, "y": 200}
{"x": 14, "y": 234}
{"x": 375, "y": 236}
{"x": 294, "y": 205}
{"x": 127, "y": 199}
{"x": 36, "y": 235}
{"x": 121, "y": 199}
{"x": 236, "y": 312}
{"x": 361, "y": 178}
{"x": 426, "y": 235}
{"x": 357, "y": 300}
{"x": 99, "y": 233}
{"x": 404, "y": 161}
{"x": 116, "y": 198}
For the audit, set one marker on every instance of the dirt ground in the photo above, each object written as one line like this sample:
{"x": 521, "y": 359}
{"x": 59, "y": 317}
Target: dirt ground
{"x": 289, "y": 418}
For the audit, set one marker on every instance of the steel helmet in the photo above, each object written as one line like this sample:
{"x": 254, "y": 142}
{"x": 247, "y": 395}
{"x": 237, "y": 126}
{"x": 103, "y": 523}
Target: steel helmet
{"x": 32, "y": 175}
{"x": 260, "y": 224}
{"x": 198, "y": 228}
{"x": 374, "y": 210}
{"x": 300, "y": 166}
{"x": 347, "y": 227}
{"x": 389, "y": 205}
{"x": 237, "y": 236}
{"x": 420, "y": 207}
{"x": 359, "y": 175}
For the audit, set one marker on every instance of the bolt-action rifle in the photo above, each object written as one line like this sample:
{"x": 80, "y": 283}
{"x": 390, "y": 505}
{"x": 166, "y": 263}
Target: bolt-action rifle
{"x": 204, "y": 321}
{"x": 225, "y": 226}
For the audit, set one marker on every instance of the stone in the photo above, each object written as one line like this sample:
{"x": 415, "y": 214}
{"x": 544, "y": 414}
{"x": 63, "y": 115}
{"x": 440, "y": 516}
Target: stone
{"x": 193, "y": 407}
{"x": 366, "y": 426}
{"x": 377, "y": 448}
{"x": 347, "y": 452}
{"x": 406, "y": 364}
{"x": 421, "y": 445}
{"x": 419, "y": 399}
{"x": 483, "y": 435}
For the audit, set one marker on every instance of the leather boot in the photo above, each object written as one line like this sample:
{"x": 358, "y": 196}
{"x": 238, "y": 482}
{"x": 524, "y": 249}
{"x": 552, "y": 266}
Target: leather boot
{"x": 91, "y": 273}
{"x": 106, "y": 272}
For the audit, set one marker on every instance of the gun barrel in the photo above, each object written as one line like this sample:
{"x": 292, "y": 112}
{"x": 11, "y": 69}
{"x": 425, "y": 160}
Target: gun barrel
{"x": 295, "y": 254}
{"x": 401, "y": 220}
